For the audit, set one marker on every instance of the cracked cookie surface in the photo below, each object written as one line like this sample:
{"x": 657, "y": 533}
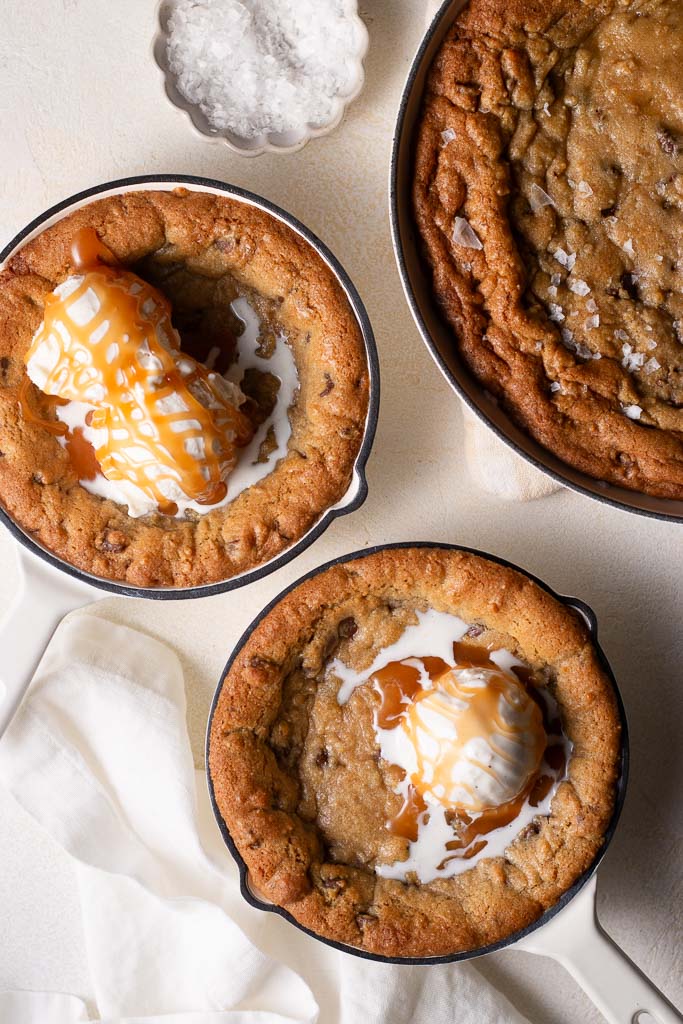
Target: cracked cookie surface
{"x": 299, "y": 782}
{"x": 548, "y": 193}
{"x": 203, "y": 251}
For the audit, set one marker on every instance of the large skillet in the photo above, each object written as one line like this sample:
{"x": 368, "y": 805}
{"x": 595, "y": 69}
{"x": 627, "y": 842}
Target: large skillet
{"x": 437, "y": 335}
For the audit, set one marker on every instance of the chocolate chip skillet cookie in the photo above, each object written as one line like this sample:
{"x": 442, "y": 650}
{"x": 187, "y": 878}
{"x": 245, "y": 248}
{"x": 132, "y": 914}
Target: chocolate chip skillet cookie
{"x": 548, "y": 192}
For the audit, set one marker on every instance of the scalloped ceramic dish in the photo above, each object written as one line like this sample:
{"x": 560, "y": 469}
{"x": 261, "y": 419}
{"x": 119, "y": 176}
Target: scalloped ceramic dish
{"x": 273, "y": 142}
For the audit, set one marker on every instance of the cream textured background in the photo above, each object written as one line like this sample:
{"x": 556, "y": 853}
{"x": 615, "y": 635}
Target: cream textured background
{"x": 81, "y": 102}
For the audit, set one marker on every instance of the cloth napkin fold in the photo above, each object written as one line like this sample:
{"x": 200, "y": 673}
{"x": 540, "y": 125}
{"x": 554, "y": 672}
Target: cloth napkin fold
{"x": 99, "y": 755}
{"x": 499, "y": 470}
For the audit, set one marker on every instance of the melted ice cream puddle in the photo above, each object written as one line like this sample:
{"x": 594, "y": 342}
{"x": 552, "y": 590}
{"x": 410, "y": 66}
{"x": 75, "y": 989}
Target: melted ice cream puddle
{"x": 481, "y": 778}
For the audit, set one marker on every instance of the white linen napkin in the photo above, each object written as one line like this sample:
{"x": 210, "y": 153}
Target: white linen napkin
{"x": 499, "y": 470}
{"x": 99, "y": 755}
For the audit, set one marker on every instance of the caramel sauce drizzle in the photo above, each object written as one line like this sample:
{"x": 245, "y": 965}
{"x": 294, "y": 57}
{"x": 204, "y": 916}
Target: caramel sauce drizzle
{"x": 31, "y": 416}
{"x": 148, "y": 443}
{"x": 399, "y": 686}
{"x": 89, "y": 251}
{"x": 405, "y": 823}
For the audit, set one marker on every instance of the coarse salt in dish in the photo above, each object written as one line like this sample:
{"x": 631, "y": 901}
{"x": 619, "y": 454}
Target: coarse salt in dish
{"x": 262, "y": 74}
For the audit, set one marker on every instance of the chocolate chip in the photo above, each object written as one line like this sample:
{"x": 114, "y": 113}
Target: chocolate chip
{"x": 258, "y": 662}
{"x": 347, "y": 628}
{"x": 629, "y": 282}
{"x": 114, "y": 541}
{"x": 336, "y": 884}
{"x": 608, "y": 211}
{"x": 667, "y": 142}
{"x": 328, "y": 386}
{"x": 322, "y": 758}
{"x": 226, "y": 244}
{"x": 532, "y": 829}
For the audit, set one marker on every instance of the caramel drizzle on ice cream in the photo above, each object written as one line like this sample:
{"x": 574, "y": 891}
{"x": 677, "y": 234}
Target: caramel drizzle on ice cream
{"x": 425, "y": 696}
{"x": 166, "y": 422}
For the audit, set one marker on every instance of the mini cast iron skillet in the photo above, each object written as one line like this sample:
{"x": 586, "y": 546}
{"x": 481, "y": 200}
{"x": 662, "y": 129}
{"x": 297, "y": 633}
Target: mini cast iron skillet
{"x": 437, "y": 336}
{"x": 44, "y": 595}
{"x": 569, "y": 931}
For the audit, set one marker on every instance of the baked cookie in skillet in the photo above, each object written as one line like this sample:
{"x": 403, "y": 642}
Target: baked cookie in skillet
{"x": 548, "y": 194}
{"x": 226, "y": 295}
{"x": 416, "y": 752}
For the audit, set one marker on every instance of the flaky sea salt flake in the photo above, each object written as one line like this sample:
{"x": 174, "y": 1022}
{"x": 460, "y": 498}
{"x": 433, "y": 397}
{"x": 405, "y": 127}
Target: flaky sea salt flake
{"x": 628, "y": 247}
{"x": 538, "y": 198}
{"x": 592, "y": 306}
{"x": 651, "y": 365}
{"x": 555, "y": 313}
{"x": 464, "y": 234}
{"x": 633, "y": 412}
{"x": 579, "y": 287}
{"x": 631, "y": 360}
{"x": 584, "y": 189}
{"x": 447, "y": 136}
{"x": 575, "y": 346}
{"x": 592, "y": 322}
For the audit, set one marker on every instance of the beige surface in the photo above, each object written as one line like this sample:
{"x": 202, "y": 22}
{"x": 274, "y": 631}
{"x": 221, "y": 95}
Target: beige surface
{"x": 82, "y": 103}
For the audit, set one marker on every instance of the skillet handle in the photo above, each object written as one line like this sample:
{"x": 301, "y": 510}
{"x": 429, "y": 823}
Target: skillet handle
{"x": 42, "y": 599}
{"x": 618, "y": 988}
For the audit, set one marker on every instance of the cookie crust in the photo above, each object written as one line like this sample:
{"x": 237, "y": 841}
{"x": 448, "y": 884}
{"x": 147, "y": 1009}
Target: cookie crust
{"x": 306, "y": 807}
{"x": 563, "y": 125}
{"x": 191, "y": 243}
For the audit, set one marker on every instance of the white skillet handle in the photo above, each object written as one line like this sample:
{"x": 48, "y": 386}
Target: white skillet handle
{"x": 618, "y": 988}
{"x": 43, "y": 597}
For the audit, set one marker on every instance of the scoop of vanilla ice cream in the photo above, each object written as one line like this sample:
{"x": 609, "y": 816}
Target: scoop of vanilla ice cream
{"x": 472, "y": 742}
{"x": 164, "y": 429}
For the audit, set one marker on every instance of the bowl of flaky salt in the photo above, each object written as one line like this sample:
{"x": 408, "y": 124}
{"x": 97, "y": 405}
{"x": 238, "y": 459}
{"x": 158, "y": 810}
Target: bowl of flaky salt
{"x": 261, "y": 75}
